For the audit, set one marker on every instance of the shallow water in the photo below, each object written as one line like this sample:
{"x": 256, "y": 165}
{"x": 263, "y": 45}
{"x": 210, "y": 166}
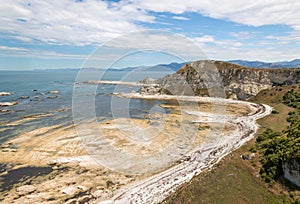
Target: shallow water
{"x": 37, "y": 85}
{"x": 20, "y": 175}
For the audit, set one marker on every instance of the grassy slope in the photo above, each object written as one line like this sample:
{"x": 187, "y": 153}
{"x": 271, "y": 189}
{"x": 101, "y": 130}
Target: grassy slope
{"x": 234, "y": 180}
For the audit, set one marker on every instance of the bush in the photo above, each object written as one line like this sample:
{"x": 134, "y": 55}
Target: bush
{"x": 277, "y": 147}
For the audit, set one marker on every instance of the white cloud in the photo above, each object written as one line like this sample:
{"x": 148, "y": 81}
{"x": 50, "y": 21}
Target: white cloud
{"x": 68, "y": 22}
{"x": 91, "y": 21}
{"x": 204, "y": 39}
{"x": 201, "y": 41}
{"x": 23, "y": 52}
{"x": 22, "y": 38}
{"x": 161, "y": 41}
{"x": 243, "y": 35}
{"x": 269, "y": 53}
{"x": 6, "y": 48}
{"x": 181, "y": 18}
{"x": 94, "y": 22}
{"x": 254, "y": 13}
{"x": 294, "y": 38}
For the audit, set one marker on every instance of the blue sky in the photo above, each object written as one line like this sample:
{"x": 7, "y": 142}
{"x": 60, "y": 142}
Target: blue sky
{"x": 65, "y": 33}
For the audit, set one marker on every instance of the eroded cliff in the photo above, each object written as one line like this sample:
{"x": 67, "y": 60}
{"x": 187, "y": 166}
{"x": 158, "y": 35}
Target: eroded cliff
{"x": 214, "y": 78}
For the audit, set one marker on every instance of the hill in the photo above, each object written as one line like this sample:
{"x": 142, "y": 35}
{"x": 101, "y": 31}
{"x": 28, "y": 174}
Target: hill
{"x": 207, "y": 76}
{"x": 258, "y": 64}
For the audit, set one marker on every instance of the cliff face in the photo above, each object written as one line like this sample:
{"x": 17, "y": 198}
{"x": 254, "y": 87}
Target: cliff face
{"x": 208, "y": 77}
{"x": 291, "y": 171}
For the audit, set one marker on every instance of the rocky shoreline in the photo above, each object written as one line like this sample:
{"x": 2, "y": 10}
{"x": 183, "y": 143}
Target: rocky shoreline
{"x": 77, "y": 177}
{"x": 156, "y": 188}
{"x": 123, "y": 83}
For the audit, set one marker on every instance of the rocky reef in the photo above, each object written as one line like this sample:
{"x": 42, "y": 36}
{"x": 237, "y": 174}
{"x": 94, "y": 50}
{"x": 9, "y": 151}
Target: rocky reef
{"x": 210, "y": 78}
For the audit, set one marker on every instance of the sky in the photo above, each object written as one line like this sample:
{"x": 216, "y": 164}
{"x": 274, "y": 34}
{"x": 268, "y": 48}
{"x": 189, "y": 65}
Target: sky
{"x": 48, "y": 34}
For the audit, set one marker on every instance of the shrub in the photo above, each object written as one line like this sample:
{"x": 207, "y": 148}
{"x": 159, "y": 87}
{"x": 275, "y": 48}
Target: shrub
{"x": 277, "y": 147}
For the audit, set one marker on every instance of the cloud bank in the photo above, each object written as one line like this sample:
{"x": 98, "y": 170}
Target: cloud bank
{"x": 93, "y": 21}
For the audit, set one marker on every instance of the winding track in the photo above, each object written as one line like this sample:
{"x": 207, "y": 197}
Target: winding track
{"x": 156, "y": 188}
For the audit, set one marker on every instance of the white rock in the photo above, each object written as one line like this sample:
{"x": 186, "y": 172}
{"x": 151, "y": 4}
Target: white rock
{"x": 97, "y": 193}
{"x": 82, "y": 188}
{"x": 2, "y": 104}
{"x": 6, "y": 93}
{"x": 84, "y": 199}
{"x": 54, "y": 92}
{"x": 71, "y": 190}
{"x": 26, "y": 189}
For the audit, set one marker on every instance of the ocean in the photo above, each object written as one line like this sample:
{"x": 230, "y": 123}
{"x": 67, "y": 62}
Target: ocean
{"x": 32, "y": 91}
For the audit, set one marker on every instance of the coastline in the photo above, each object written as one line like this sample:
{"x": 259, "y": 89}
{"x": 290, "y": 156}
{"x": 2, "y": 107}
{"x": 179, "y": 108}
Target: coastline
{"x": 62, "y": 149}
{"x": 123, "y": 83}
{"x": 156, "y": 188}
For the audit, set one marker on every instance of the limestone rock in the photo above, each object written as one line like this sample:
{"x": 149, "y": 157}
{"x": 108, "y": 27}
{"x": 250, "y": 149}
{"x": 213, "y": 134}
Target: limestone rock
{"x": 71, "y": 201}
{"x": 3, "y": 104}
{"x": 52, "y": 97}
{"x": 291, "y": 170}
{"x": 147, "y": 80}
{"x": 6, "y": 93}
{"x": 149, "y": 90}
{"x": 97, "y": 193}
{"x": 24, "y": 97}
{"x": 222, "y": 79}
{"x": 53, "y": 92}
{"x": 84, "y": 199}
{"x": 26, "y": 189}
{"x": 70, "y": 190}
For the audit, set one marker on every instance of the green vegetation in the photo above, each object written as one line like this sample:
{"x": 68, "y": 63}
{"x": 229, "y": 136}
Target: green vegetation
{"x": 292, "y": 99}
{"x": 230, "y": 181}
{"x": 276, "y": 147}
{"x": 275, "y": 112}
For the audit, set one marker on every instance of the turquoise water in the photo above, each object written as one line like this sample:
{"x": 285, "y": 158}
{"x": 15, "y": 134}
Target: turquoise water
{"x": 36, "y": 85}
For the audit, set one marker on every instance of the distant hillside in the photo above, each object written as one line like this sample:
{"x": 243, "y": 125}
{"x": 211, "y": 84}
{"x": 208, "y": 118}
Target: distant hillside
{"x": 174, "y": 66}
{"x": 239, "y": 82}
{"x": 258, "y": 64}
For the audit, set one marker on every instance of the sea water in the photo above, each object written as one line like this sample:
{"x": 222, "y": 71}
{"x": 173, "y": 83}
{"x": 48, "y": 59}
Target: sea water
{"x": 37, "y": 86}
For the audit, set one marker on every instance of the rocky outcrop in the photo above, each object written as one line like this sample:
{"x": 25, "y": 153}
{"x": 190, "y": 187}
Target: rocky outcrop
{"x": 4, "y": 104}
{"x": 53, "y": 92}
{"x": 291, "y": 171}
{"x": 147, "y": 80}
{"x": 6, "y": 93}
{"x": 206, "y": 77}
